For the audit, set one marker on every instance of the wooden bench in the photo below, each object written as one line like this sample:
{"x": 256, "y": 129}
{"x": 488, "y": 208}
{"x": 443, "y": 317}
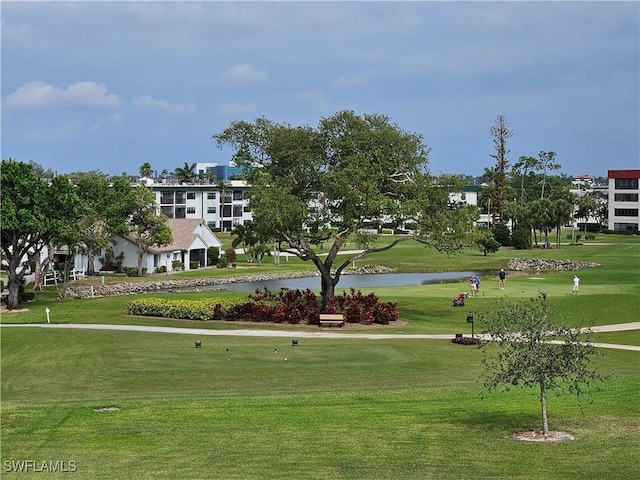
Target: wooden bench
{"x": 331, "y": 320}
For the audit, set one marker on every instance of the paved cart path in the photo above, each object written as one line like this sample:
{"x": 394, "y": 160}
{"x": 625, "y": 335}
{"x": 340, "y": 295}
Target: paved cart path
{"x": 300, "y": 334}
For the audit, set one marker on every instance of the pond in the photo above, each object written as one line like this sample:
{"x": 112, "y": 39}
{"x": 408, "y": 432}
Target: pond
{"x": 346, "y": 281}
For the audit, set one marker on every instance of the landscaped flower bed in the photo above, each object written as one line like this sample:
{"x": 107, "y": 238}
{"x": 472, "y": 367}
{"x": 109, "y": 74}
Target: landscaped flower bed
{"x": 287, "y": 306}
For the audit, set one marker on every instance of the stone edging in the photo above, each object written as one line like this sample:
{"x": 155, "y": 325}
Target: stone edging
{"x": 127, "y": 288}
{"x": 543, "y": 265}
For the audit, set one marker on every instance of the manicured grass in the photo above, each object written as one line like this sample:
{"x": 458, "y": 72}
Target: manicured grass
{"x": 334, "y": 409}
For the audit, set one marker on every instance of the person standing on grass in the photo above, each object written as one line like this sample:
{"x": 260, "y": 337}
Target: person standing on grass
{"x": 474, "y": 286}
{"x": 477, "y": 283}
{"x": 503, "y": 277}
{"x": 576, "y": 285}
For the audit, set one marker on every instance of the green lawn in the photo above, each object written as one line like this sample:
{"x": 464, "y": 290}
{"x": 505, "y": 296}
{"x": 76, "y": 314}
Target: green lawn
{"x": 326, "y": 409}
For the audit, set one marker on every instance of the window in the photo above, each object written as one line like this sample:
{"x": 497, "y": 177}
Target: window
{"x": 166, "y": 198}
{"x": 237, "y": 210}
{"x": 211, "y": 225}
{"x": 625, "y": 197}
{"x": 191, "y": 210}
{"x": 238, "y": 195}
{"x": 191, "y": 195}
{"x": 211, "y": 195}
{"x": 626, "y": 183}
{"x": 180, "y": 197}
{"x": 180, "y": 212}
{"x": 168, "y": 211}
{"x": 211, "y": 209}
{"x": 626, "y": 212}
{"x": 246, "y": 209}
{"x": 226, "y": 197}
{"x": 226, "y": 210}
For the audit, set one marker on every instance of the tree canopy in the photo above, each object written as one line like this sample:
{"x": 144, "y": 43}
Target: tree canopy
{"x": 534, "y": 351}
{"x": 33, "y": 213}
{"x": 351, "y": 172}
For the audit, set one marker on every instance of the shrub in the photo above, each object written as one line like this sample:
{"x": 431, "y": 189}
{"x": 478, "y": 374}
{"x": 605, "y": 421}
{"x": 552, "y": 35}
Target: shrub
{"x": 193, "y": 265}
{"x": 230, "y": 255}
{"x": 359, "y": 308}
{"x": 287, "y": 306}
{"x": 520, "y": 239}
{"x": 208, "y": 309}
{"x": 502, "y": 235}
{"x": 213, "y": 254}
{"x": 177, "y": 265}
{"x": 133, "y": 271}
{"x": 466, "y": 340}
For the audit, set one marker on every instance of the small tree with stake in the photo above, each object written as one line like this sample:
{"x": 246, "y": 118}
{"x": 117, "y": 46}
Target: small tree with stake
{"x": 533, "y": 352}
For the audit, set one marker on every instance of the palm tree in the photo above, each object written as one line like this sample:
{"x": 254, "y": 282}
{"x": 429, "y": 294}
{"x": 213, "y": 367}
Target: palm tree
{"x": 186, "y": 173}
{"x": 541, "y": 215}
{"x": 240, "y": 234}
{"x": 562, "y": 213}
{"x": 511, "y": 212}
{"x": 146, "y": 170}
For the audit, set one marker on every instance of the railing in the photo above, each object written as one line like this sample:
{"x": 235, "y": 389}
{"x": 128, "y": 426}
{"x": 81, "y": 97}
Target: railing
{"x": 54, "y": 276}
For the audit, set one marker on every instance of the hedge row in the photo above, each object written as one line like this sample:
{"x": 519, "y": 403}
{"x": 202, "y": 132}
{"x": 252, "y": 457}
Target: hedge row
{"x": 208, "y": 309}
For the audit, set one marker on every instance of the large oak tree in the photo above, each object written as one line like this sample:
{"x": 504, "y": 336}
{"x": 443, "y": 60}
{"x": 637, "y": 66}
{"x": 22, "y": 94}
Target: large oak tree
{"x": 316, "y": 185}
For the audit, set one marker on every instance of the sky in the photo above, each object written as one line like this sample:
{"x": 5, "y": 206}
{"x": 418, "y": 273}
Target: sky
{"x": 109, "y": 86}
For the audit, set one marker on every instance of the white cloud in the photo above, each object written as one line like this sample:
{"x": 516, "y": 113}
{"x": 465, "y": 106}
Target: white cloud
{"x": 38, "y": 94}
{"x": 148, "y": 101}
{"x": 319, "y": 101}
{"x": 244, "y": 72}
{"x": 235, "y": 109}
{"x": 349, "y": 81}
{"x": 115, "y": 119}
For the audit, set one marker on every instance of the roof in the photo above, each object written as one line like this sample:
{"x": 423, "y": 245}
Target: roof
{"x": 623, "y": 174}
{"x": 184, "y": 232}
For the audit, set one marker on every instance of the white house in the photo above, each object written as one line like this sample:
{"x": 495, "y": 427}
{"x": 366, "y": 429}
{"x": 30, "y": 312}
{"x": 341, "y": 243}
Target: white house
{"x": 191, "y": 239}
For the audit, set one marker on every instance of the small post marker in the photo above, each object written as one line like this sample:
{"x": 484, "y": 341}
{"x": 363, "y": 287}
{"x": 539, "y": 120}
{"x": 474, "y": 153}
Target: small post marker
{"x": 47, "y": 312}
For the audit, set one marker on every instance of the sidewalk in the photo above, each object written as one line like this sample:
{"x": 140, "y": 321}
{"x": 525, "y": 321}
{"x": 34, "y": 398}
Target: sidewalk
{"x": 300, "y": 334}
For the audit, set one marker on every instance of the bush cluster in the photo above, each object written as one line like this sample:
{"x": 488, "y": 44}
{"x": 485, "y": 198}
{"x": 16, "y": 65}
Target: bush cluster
{"x": 359, "y": 308}
{"x": 208, "y": 309}
{"x": 466, "y": 340}
{"x": 287, "y": 306}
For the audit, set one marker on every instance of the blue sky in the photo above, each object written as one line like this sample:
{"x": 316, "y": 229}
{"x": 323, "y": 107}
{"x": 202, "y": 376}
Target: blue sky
{"x": 110, "y": 85}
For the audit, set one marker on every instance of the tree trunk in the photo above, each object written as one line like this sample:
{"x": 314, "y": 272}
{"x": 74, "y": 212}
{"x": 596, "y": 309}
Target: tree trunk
{"x": 543, "y": 405}
{"x": 65, "y": 280}
{"x": 328, "y": 287}
{"x": 140, "y": 255}
{"x": 14, "y": 281}
{"x": 38, "y": 272}
{"x": 91, "y": 268}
